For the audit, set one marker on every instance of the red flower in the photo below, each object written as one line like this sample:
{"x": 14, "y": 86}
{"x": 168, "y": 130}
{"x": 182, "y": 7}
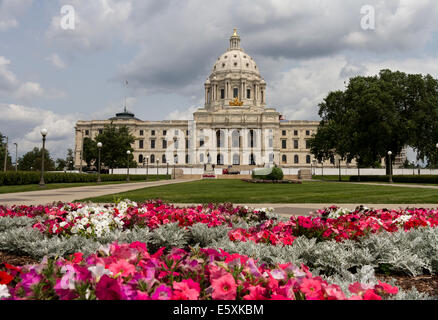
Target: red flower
{"x": 108, "y": 289}
{"x": 5, "y": 278}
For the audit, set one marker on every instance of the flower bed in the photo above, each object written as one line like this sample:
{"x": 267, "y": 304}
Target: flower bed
{"x": 130, "y": 272}
{"x": 337, "y": 224}
{"x": 96, "y": 221}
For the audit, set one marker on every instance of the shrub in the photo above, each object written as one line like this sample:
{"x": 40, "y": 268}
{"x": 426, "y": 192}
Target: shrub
{"x": 25, "y": 178}
{"x": 400, "y": 179}
{"x": 275, "y": 175}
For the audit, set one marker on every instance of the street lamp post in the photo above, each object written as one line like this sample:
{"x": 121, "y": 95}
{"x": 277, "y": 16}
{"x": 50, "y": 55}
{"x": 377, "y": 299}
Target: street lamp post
{"x": 157, "y": 170}
{"x": 6, "y": 155}
{"x": 174, "y": 171}
{"x": 44, "y": 134}
{"x": 358, "y": 169}
{"x": 128, "y": 153}
{"x": 16, "y": 156}
{"x": 147, "y": 168}
{"x": 167, "y": 173}
{"x": 339, "y": 165}
{"x": 390, "y": 166}
{"x": 99, "y": 145}
{"x": 322, "y": 169}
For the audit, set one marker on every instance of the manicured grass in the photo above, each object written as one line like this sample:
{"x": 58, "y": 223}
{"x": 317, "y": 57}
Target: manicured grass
{"x": 36, "y": 187}
{"x": 237, "y": 191}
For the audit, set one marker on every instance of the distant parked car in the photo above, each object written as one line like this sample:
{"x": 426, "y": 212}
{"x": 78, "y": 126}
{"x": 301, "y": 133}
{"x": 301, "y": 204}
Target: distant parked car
{"x": 230, "y": 170}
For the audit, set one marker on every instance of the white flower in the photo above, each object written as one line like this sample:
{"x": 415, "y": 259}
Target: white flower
{"x": 98, "y": 271}
{"x": 4, "y": 292}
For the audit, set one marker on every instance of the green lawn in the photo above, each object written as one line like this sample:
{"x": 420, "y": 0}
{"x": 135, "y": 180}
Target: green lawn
{"x": 36, "y": 187}
{"x": 237, "y": 191}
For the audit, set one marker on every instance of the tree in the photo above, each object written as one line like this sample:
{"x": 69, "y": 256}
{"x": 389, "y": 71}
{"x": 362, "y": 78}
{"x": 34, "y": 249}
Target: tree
{"x": 32, "y": 161}
{"x": 378, "y": 114}
{"x": 70, "y": 160}
{"x": 90, "y": 151}
{"x": 2, "y": 154}
{"x": 116, "y": 142}
{"x": 61, "y": 164}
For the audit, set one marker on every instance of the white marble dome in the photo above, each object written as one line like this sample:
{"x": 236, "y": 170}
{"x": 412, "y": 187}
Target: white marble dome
{"x": 235, "y": 61}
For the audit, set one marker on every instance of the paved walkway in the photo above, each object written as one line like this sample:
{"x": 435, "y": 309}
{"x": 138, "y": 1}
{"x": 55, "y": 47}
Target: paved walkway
{"x": 75, "y": 193}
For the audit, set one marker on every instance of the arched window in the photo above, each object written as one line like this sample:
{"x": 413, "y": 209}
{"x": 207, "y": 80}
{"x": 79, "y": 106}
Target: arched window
{"x": 201, "y": 158}
{"x": 284, "y": 158}
{"x": 252, "y": 160}
{"x": 236, "y": 139}
{"x": 175, "y": 159}
{"x": 140, "y": 159}
{"x": 296, "y": 159}
{"x": 220, "y": 159}
{"x": 187, "y": 159}
{"x": 163, "y": 159}
{"x": 152, "y": 158}
{"x": 220, "y": 139}
{"x": 236, "y": 159}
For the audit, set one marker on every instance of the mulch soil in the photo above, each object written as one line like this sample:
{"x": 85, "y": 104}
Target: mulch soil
{"x": 426, "y": 283}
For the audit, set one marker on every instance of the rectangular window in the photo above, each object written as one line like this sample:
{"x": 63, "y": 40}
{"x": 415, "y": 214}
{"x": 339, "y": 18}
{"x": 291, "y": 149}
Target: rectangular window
{"x": 164, "y": 144}
{"x": 283, "y": 132}
{"x": 176, "y": 144}
{"x": 152, "y": 132}
{"x": 176, "y": 132}
{"x": 271, "y": 143}
{"x": 295, "y": 132}
{"x": 284, "y": 144}
{"x": 187, "y": 143}
{"x": 295, "y": 144}
{"x": 248, "y": 93}
{"x": 141, "y": 132}
{"x": 201, "y": 143}
{"x": 307, "y": 133}
{"x": 152, "y": 144}
{"x": 140, "y": 144}
{"x": 164, "y": 132}
{"x": 222, "y": 93}
{"x": 87, "y": 132}
{"x": 235, "y": 93}
{"x": 307, "y": 144}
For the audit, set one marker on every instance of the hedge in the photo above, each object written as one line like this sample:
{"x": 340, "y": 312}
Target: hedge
{"x": 402, "y": 179}
{"x": 24, "y": 178}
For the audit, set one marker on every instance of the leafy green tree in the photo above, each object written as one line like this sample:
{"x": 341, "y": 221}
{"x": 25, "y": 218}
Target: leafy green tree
{"x": 90, "y": 151}
{"x": 61, "y": 164}
{"x": 32, "y": 161}
{"x": 374, "y": 115}
{"x": 116, "y": 142}
{"x": 70, "y": 159}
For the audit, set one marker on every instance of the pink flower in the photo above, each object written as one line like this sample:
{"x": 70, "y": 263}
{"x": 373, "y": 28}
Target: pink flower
{"x": 122, "y": 268}
{"x": 186, "y": 290}
{"x": 386, "y": 288}
{"x": 256, "y": 293}
{"x": 108, "y": 289}
{"x": 311, "y": 288}
{"x": 163, "y": 292}
{"x": 371, "y": 295}
{"x": 224, "y": 288}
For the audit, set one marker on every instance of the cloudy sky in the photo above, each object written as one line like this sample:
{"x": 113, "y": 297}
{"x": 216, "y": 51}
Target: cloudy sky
{"x": 52, "y": 76}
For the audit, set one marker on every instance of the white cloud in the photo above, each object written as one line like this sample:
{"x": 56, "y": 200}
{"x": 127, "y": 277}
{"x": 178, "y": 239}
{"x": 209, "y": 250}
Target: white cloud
{"x": 10, "y": 10}
{"x": 56, "y": 61}
{"x": 182, "y": 114}
{"x": 23, "y": 125}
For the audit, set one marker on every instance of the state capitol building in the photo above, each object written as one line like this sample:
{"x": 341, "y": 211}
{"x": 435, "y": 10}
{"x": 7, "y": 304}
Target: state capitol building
{"x": 235, "y": 127}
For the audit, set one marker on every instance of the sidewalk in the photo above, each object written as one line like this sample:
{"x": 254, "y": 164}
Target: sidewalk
{"x": 71, "y": 194}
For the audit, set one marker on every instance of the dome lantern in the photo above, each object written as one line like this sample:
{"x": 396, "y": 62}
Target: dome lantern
{"x": 235, "y": 41}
